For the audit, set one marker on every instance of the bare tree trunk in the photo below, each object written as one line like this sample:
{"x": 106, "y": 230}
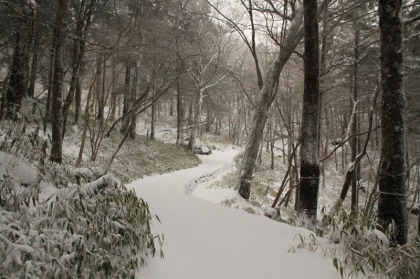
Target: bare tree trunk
{"x": 268, "y": 94}
{"x": 84, "y": 16}
{"x": 78, "y": 100}
{"x": 153, "y": 117}
{"x": 18, "y": 80}
{"x": 179, "y": 117}
{"x": 196, "y": 119}
{"x": 50, "y": 80}
{"x": 354, "y": 143}
{"x": 309, "y": 150}
{"x": 392, "y": 205}
{"x": 34, "y": 67}
{"x": 85, "y": 124}
{"x": 113, "y": 96}
{"x": 57, "y": 116}
{"x": 133, "y": 97}
{"x": 101, "y": 89}
{"x": 126, "y": 103}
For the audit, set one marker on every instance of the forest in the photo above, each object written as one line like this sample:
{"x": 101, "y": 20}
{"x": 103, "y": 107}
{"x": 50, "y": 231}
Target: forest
{"x": 309, "y": 111}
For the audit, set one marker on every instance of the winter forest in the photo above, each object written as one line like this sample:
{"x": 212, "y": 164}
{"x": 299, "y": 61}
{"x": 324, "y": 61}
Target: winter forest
{"x": 209, "y": 139}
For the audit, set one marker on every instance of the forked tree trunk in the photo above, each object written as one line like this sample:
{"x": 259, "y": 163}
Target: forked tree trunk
{"x": 392, "y": 205}
{"x": 268, "y": 94}
{"x": 309, "y": 150}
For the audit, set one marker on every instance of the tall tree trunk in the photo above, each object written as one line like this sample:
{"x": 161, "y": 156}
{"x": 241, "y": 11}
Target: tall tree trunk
{"x": 354, "y": 142}
{"x": 153, "y": 116}
{"x": 309, "y": 150}
{"x": 78, "y": 100}
{"x": 268, "y": 94}
{"x": 133, "y": 97}
{"x": 50, "y": 80}
{"x": 101, "y": 89}
{"x": 34, "y": 66}
{"x": 18, "y": 80}
{"x": 179, "y": 116}
{"x": 57, "y": 116}
{"x": 196, "y": 119}
{"x": 84, "y": 16}
{"x": 126, "y": 103}
{"x": 392, "y": 205}
{"x": 326, "y": 46}
{"x": 113, "y": 96}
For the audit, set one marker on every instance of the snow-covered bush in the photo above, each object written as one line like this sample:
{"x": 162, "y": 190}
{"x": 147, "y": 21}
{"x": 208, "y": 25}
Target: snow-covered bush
{"x": 91, "y": 227}
{"x": 359, "y": 247}
{"x": 85, "y": 236}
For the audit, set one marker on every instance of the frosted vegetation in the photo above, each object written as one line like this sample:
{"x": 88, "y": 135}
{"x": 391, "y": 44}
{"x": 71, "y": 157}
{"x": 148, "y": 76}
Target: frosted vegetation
{"x": 57, "y": 221}
{"x": 62, "y": 221}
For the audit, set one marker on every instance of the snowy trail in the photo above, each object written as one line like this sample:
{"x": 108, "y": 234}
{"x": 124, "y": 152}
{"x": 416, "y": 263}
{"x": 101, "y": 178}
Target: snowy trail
{"x": 206, "y": 240}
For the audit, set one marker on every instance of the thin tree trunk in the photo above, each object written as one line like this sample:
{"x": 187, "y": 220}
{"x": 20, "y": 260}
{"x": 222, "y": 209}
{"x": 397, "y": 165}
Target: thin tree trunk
{"x": 34, "y": 67}
{"x": 354, "y": 143}
{"x": 179, "y": 117}
{"x": 133, "y": 97}
{"x": 78, "y": 100}
{"x": 50, "y": 80}
{"x": 153, "y": 117}
{"x": 392, "y": 205}
{"x": 126, "y": 102}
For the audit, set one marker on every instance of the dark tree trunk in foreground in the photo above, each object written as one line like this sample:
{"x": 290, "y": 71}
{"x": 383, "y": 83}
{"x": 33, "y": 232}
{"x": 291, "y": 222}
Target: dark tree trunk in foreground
{"x": 56, "y": 113}
{"x": 18, "y": 80}
{"x": 309, "y": 161}
{"x": 268, "y": 94}
{"x": 392, "y": 205}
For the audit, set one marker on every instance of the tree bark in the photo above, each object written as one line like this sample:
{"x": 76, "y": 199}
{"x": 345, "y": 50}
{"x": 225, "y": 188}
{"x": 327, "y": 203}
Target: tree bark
{"x": 84, "y": 17}
{"x": 196, "y": 118}
{"x": 34, "y": 67}
{"x": 179, "y": 117}
{"x": 57, "y": 116}
{"x": 133, "y": 97}
{"x": 126, "y": 103}
{"x": 309, "y": 150}
{"x": 18, "y": 80}
{"x": 354, "y": 143}
{"x": 392, "y": 205}
{"x": 268, "y": 94}
{"x": 78, "y": 100}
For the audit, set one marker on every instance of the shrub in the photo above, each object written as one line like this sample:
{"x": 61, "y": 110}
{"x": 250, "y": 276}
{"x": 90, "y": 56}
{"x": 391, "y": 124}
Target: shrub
{"x": 106, "y": 235}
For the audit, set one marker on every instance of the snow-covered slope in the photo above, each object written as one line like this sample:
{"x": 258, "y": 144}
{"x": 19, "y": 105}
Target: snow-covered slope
{"x": 206, "y": 240}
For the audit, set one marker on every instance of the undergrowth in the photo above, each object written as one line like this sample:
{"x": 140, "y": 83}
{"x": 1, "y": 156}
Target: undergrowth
{"x": 99, "y": 233}
{"x": 358, "y": 247}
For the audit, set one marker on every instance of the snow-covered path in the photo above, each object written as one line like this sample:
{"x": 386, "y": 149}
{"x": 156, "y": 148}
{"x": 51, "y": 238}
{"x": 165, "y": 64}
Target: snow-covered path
{"x": 206, "y": 240}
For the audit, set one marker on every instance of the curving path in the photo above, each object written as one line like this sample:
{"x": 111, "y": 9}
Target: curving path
{"x": 206, "y": 240}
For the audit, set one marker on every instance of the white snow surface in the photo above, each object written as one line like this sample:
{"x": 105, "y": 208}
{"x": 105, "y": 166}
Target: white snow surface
{"x": 207, "y": 240}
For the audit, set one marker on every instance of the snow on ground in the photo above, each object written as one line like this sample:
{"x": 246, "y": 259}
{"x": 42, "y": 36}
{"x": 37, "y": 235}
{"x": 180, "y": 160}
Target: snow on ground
{"x": 206, "y": 240}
